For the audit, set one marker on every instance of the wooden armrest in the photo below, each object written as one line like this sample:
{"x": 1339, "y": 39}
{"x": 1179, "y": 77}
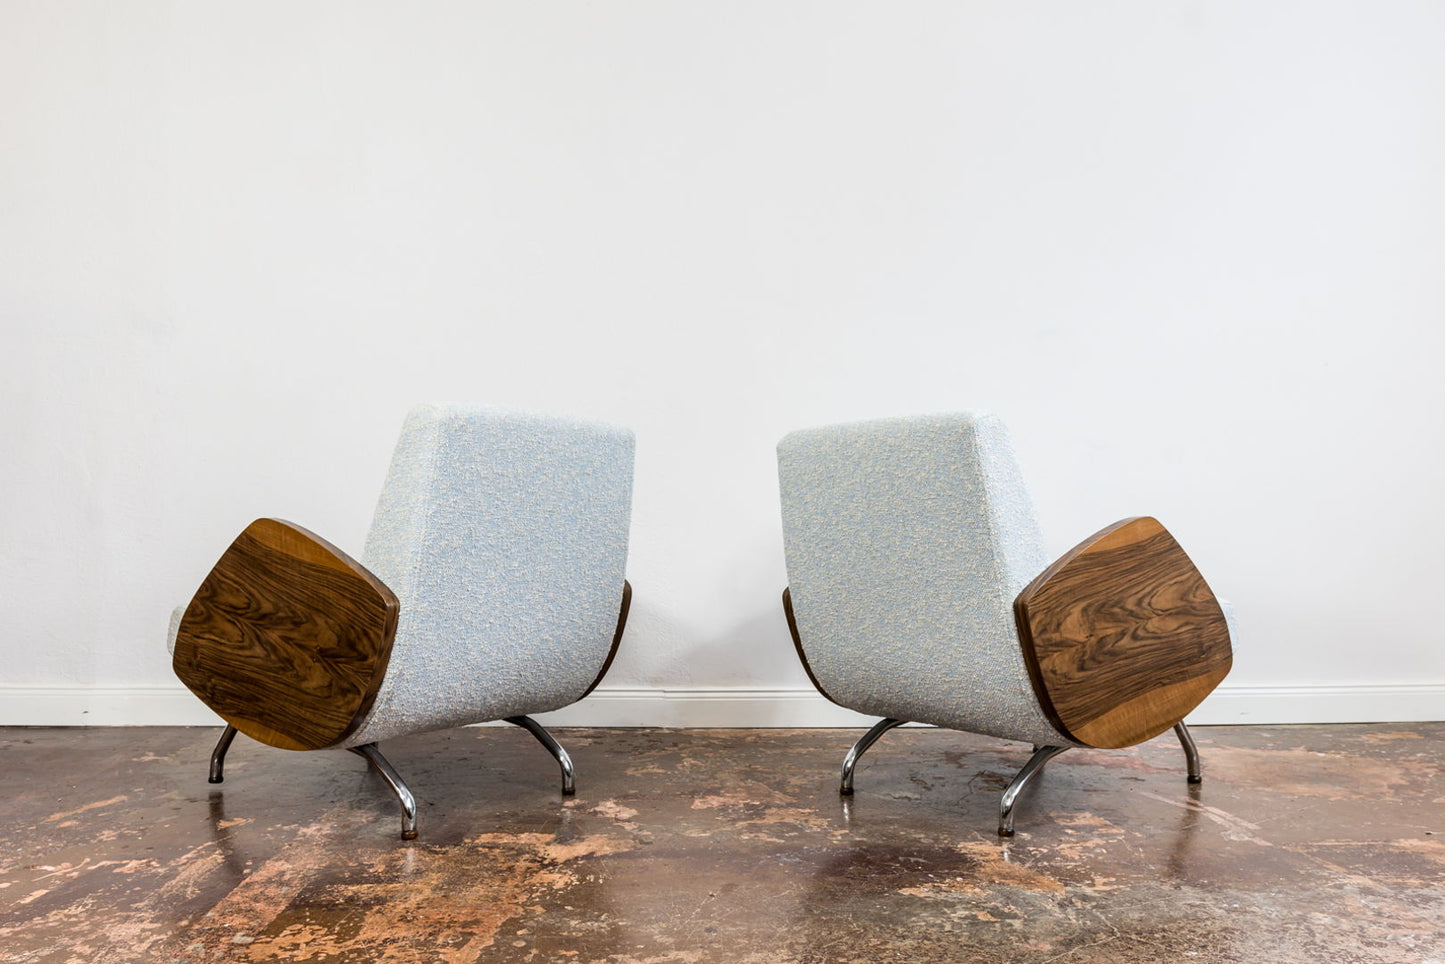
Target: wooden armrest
{"x": 798, "y": 645}
{"x": 1122, "y": 636}
{"x": 616, "y": 638}
{"x": 288, "y": 637}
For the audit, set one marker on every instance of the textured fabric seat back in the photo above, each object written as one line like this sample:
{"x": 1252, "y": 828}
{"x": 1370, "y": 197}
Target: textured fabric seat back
{"x": 907, "y": 541}
{"x": 504, "y": 535}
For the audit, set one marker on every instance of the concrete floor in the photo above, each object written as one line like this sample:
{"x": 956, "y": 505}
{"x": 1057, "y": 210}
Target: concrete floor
{"x": 1315, "y": 843}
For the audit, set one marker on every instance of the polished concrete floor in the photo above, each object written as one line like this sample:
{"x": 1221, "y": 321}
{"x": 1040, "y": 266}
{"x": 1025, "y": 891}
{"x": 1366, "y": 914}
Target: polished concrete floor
{"x": 1316, "y": 843}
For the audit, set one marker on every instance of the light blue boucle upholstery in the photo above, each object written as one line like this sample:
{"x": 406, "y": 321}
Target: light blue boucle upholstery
{"x": 907, "y": 541}
{"x": 504, "y": 536}
{"x": 174, "y": 629}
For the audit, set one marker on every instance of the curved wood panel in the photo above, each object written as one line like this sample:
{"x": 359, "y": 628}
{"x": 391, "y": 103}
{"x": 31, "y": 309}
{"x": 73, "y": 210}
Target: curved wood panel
{"x": 616, "y": 638}
{"x": 288, "y": 638}
{"x": 1122, "y": 636}
{"x": 798, "y": 645}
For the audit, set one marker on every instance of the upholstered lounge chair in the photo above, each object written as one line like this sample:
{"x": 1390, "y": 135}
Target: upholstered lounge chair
{"x": 919, "y": 590}
{"x": 491, "y": 587}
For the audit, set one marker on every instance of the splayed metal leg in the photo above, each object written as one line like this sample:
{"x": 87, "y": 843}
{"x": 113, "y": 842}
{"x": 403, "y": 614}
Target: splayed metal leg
{"x": 1036, "y": 763}
{"x": 397, "y": 784}
{"x": 569, "y": 780}
{"x": 868, "y": 739}
{"x": 218, "y": 755}
{"x": 1191, "y": 752}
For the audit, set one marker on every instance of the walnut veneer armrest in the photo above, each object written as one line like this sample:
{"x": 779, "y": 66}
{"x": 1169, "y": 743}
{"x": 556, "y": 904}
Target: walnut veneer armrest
{"x": 616, "y": 638}
{"x": 1122, "y": 636}
{"x": 288, "y": 638}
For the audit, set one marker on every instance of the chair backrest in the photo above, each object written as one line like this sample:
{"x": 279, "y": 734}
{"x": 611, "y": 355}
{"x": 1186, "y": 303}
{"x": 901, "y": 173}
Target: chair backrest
{"x": 907, "y": 540}
{"x": 504, "y": 535}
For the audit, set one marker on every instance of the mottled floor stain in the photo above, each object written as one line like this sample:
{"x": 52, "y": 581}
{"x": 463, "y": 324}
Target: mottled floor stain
{"x": 1323, "y": 843}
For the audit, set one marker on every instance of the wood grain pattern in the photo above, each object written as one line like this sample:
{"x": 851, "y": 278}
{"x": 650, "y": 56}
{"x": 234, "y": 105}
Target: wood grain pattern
{"x": 288, "y": 638}
{"x": 1122, "y": 636}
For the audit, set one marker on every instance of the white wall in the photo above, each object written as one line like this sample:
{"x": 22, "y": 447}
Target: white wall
{"x": 1194, "y": 253}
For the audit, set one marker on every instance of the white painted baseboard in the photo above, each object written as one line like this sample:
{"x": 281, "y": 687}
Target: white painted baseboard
{"x": 102, "y": 706}
{"x": 742, "y": 707}
{"x": 1318, "y": 703}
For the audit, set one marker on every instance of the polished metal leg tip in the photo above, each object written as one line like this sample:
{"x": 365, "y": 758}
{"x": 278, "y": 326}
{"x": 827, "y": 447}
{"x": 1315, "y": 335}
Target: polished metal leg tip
{"x": 1021, "y": 779}
{"x": 404, "y": 797}
{"x": 850, "y": 762}
{"x": 569, "y": 778}
{"x": 217, "y": 772}
{"x": 1191, "y": 753}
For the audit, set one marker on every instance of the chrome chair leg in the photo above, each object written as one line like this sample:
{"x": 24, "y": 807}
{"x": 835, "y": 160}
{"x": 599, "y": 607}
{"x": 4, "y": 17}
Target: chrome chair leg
{"x": 868, "y": 739}
{"x": 1036, "y": 763}
{"x": 398, "y": 786}
{"x": 1191, "y": 752}
{"x": 569, "y": 780}
{"x": 218, "y": 755}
